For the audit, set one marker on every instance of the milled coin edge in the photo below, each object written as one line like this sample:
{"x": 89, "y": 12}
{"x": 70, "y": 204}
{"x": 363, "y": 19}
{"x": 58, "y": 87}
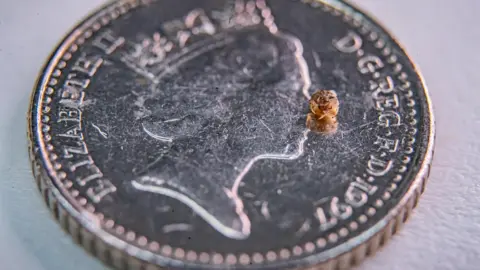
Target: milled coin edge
{"x": 366, "y": 244}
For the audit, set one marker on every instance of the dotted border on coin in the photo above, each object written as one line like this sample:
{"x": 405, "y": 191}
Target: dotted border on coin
{"x": 362, "y": 25}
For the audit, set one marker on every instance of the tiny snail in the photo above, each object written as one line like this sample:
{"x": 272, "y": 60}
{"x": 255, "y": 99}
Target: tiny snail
{"x": 324, "y": 107}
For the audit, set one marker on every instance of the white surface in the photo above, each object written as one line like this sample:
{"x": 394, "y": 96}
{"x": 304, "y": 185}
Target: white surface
{"x": 442, "y": 36}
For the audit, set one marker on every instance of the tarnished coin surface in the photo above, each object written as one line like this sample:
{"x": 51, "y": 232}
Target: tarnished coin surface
{"x": 171, "y": 134}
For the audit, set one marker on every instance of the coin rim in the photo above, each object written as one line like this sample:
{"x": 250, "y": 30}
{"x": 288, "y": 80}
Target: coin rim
{"x": 109, "y": 248}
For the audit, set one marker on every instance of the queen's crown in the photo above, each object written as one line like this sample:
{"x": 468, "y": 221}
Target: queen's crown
{"x": 197, "y": 32}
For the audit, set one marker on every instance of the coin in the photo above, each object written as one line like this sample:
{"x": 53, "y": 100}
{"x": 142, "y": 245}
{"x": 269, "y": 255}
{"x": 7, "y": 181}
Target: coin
{"x": 168, "y": 134}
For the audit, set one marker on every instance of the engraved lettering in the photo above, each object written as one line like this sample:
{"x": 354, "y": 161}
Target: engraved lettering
{"x": 355, "y": 196}
{"x": 70, "y": 116}
{"x": 387, "y": 144}
{"x": 108, "y": 42}
{"x": 84, "y": 68}
{"x": 80, "y": 149}
{"x": 349, "y": 44}
{"x": 387, "y": 102}
{"x": 84, "y": 163}
{"x": 389, "y": 119}
{"x": 67, "y": 114}
{"x": 363, "y": 185}
{"x": 340, "y": 210}
{"x": 88, "y": 64}
{"x": 383, "y": 86}
{"x": 96, "y": 175}
{"x": 72, "y": 132}
{"x": 369, "y": 64}
{"x": 378, "y": 167}
{"x": 72, "y": 94}
{"x": 76, "y": 99}
{"x": 100, "y": 189}
{"x": 335, "y": 210}
{"x": 74, "y": 82}
{"x": 325, "y": 223}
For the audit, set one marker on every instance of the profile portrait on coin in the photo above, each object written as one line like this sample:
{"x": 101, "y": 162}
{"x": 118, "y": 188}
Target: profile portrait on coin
{"x": 239, "y": 98}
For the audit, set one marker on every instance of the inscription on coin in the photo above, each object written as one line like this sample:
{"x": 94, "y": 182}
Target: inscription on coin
{"x": 70, "y": 134}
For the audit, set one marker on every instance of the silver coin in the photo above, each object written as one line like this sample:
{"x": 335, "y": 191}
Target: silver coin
{"x": 173, "y": 134}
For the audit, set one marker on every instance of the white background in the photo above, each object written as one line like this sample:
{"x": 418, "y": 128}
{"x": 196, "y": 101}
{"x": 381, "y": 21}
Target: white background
{"x": 442, "y": 36}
